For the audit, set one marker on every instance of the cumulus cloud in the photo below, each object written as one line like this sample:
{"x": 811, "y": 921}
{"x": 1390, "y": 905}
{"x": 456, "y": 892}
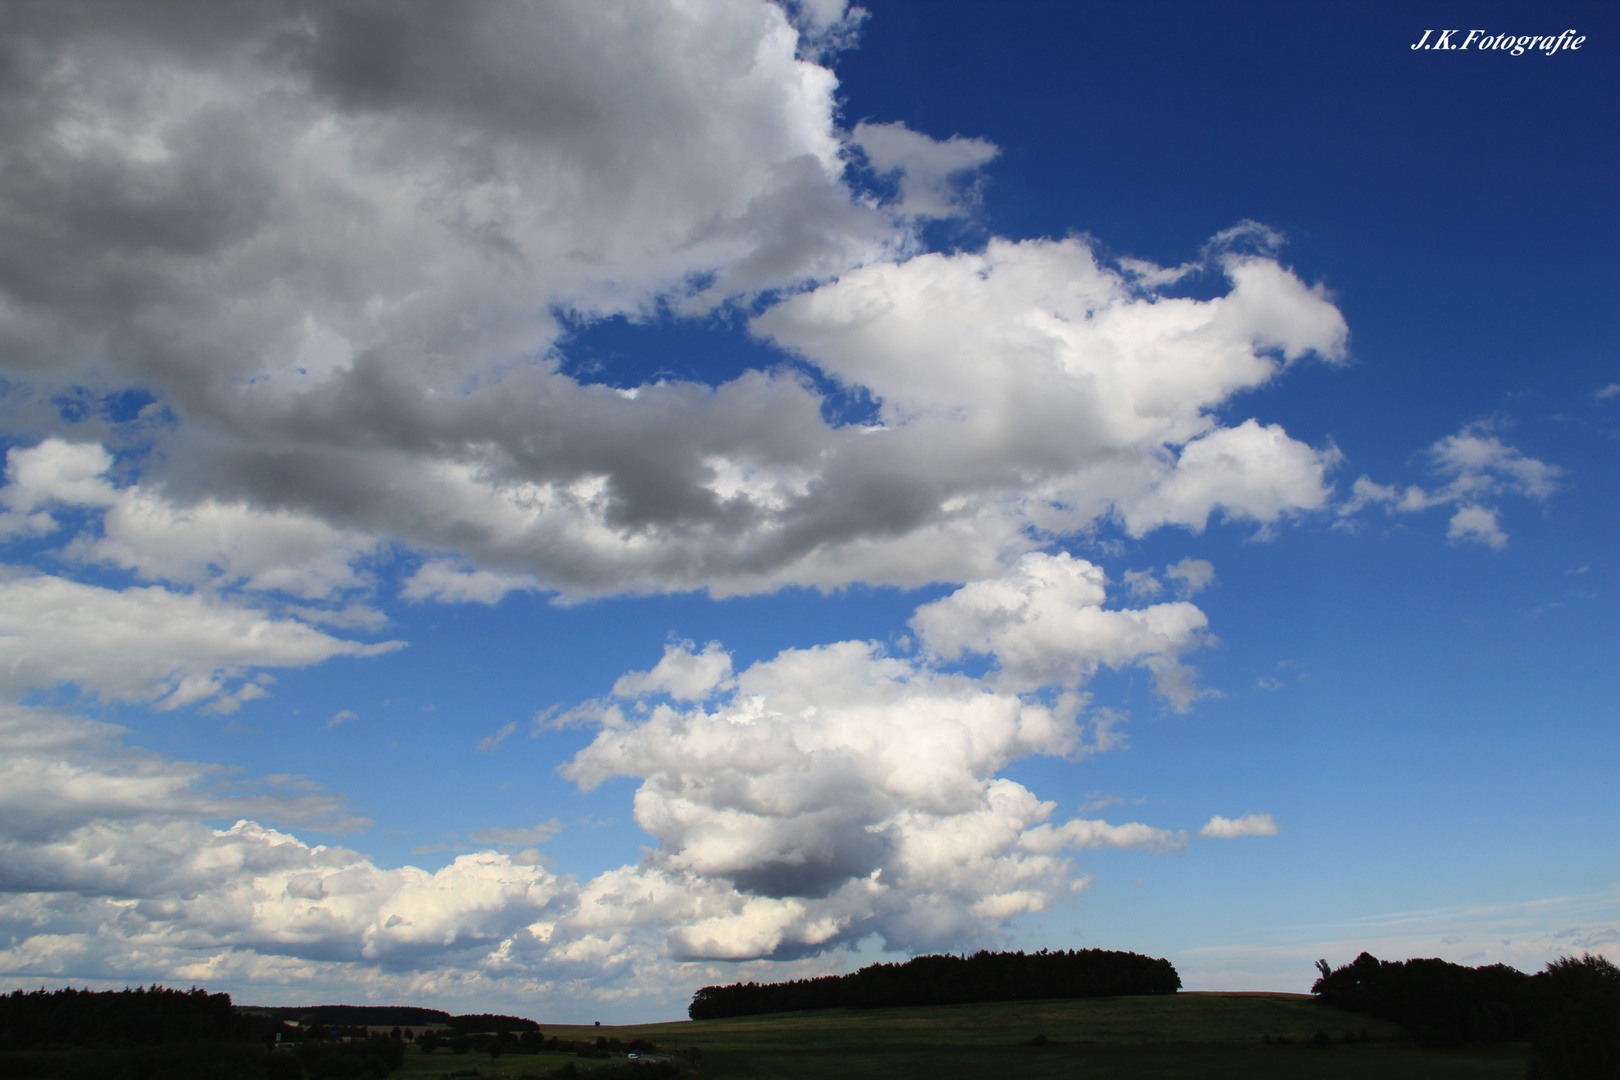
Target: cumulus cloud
{"x": 835, "y": 792}
{"x": 109, "y": 869}
{"x": 1247, "y": 825}
{"x": 349, "y": 258}
{"x": 803, "y": 803}
{"x": 1045, "y": 624}
{"x": 1479, "y": 467}
{"x": 182, "y": 889}
{"x": 682, "y": 674}
{"x": 1024, "y": 388}
{"x": 1477, "y": 524}
{"x": 337, "y": 167}
{"x": 830, "y": 794}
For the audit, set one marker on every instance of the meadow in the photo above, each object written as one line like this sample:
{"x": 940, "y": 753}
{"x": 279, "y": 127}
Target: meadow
{"x": 1184, "y": 1035}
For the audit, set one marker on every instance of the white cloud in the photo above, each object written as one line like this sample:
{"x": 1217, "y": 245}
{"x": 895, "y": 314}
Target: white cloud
{"x": 146, "y": 644}
{"x": 1142, "y": 584}
{"x": 1045, "y": 624}
{"x": 208, "y": 543}
{"x": 1607, "y": 392}
{"x": 1247, "y": 825}
{"x": 1480, "y": 467}
{"x": 1476, "y": 524}
{"x": 1194, "y": 575}
{"x": 447, "y": 583}
{"x": 341, "y": 717}
{"x": 1080, "y": 833}
{"x": 491, "y": 743}
{"x": 931, "y": 172}
{"x": 825, "y": 26}
{"x": 1480, "y": 462}
{"x": 60, "y": 773}
{"x": 200, "y": 890}
{"x": 108, "y": 870}
{"x": 352, "y": 617}
{"x": 682, "y": 674}
{"x": 1250, "y": 472}
{"x": 834, "y": 792}
{"x": 57, "y": 471}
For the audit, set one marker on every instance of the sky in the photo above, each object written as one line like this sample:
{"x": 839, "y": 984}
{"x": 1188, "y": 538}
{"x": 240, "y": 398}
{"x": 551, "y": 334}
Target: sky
{"x": 539, "y": 508}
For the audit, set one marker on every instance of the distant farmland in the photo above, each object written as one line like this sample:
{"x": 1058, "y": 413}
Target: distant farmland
{"x": 1205, "y": 1035}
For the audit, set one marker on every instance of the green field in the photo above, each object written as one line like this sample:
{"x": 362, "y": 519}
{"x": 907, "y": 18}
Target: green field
{"x": 1181, "y": 1035}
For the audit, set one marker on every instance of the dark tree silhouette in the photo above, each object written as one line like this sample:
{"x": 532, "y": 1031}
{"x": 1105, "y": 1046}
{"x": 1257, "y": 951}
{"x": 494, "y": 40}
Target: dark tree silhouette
{"x": 1579, "y": 1036}
{"x": 949, "y": 980}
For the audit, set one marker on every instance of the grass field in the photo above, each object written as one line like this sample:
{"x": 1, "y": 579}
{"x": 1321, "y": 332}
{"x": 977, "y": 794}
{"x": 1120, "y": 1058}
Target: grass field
{"x": 1172, "y": 1036}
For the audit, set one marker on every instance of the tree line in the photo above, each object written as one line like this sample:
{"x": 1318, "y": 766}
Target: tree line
{"x": 72, "y": 1034}
{"x": 145, "y": 1016}
{"x": 401, "y": 1016}
{"x": 139, "y": 1034}
{"x": 1571, "y": 1010}
{"x": 949, "y": 980}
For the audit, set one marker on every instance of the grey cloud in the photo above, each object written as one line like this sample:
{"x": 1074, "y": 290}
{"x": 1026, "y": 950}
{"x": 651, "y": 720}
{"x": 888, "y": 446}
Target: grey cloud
{"x": 187, "y": 196}
{"x": 333, "y": 240}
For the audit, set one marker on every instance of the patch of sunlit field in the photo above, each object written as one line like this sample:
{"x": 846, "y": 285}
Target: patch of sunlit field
{"x": 1182, "y": 1035}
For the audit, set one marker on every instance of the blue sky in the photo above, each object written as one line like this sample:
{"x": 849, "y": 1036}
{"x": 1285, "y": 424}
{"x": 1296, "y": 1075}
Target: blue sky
{"x": 544, "y": 508}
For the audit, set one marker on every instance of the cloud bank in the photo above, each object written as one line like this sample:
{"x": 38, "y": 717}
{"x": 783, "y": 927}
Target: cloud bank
{"x": 806, "y": 802}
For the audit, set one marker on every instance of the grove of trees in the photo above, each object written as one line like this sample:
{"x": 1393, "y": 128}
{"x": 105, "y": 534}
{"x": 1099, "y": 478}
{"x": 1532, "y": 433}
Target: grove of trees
{"x": 949, "y": 980}
{"x": 1571, "y": 1010}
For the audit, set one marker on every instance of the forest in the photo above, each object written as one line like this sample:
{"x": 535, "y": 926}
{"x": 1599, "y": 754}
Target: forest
{"x": 949, "y": 980}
